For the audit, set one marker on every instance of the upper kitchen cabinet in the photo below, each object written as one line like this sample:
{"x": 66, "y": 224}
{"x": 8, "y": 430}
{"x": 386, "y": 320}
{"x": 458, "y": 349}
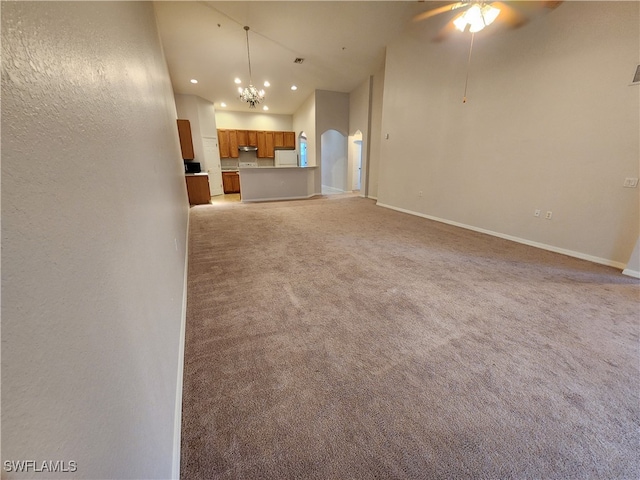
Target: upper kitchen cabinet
{"x": 228, "y": 143}
{"x": 247, "y": 138}
{"x": 242, "y": 138}
{"x": 266, "y": 148}
{"x": 289, "y": 140}
{"x": 186, "y": 142}
{"x": 284, "y": 140}
{"x": 252, "y": 138}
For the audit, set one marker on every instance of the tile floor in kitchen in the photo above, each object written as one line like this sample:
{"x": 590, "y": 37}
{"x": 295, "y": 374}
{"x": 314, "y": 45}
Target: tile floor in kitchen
{"x": 225, "y": 198}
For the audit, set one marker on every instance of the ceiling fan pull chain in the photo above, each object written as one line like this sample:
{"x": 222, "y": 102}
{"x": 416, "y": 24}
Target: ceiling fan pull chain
{"x": 466, "y": 82}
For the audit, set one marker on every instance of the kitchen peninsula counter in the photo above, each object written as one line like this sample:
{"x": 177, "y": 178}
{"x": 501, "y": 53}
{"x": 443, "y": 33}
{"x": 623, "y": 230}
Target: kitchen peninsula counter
{"x": 261, "y": 184}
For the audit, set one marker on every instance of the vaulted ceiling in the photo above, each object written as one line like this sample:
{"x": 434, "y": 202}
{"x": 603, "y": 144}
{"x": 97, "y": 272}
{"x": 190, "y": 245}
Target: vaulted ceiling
{"x": 342, "y": 43}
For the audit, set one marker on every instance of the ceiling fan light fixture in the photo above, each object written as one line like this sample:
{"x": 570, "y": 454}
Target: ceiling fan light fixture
{"x": 490, "y": 13}
{"x": 476, "y": 17}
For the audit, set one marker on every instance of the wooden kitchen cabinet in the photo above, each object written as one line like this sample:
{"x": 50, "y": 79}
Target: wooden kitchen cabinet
{"x": 228, "y": 143}
{"x": 284, "y": 140}
{"x": 278, "y": 139}
{"x": 289, "y": 140}
{"x": 186, "y": 142}
{"x": 242, "y": 138}
{"x": 223, "y": 143}
{"x": 266, "y": 148}
{"x": 252, "y": 138}
{"x": 198, "y": 189}
{"x": 231, "y": 182}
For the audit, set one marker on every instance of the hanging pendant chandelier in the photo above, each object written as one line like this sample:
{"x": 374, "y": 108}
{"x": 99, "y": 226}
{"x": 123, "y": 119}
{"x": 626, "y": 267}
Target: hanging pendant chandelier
{"x": 250, "y": 94}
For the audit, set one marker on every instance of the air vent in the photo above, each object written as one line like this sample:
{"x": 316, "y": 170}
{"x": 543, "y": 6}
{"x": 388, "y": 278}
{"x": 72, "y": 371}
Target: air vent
{"x": 298, "y": 60}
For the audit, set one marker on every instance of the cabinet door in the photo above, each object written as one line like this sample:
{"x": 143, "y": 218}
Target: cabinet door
{"x": 252, "y": 138}
{"x": 270, "y": 150}
{"x": 265, "y": 145}
{"x": 262, "y": 144}
{"x": 290, "y": 140}
{"x": 278, "y": 139}
{"x": 223, "y": 143}
{"x": 233, "y": 144}
{"x": 235, "y": 183}
{"x": 242, "y": 138}
{"x": 186, "y": 143}
{"x": 198, "y": 189}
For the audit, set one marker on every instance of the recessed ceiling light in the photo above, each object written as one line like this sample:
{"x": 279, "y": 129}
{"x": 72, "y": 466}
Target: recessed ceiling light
{"x": 193, "y": 80}
{"x": 223, "y": 104}
{"x": 293, "y": 87}
{"x": 267, "y": 84}
{"x": 238, "y": 81}
{"x": 265, "y": 108}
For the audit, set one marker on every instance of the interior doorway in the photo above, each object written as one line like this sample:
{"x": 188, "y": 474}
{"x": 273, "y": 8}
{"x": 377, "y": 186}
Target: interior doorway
{"x": 356, "y": 156}
{"x": 333, "y": 157}
{"x": 212, "y": 165}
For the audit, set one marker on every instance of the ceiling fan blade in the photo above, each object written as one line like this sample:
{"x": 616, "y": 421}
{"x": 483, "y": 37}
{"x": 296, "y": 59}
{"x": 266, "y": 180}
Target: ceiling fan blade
{"x": 510, "y": 15}
{"x": 438, "y": 11}
{"x": 444, "y": 32}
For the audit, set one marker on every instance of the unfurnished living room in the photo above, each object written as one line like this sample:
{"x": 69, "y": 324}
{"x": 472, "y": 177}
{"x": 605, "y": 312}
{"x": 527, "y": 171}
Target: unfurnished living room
{"x": 433, "y": 270}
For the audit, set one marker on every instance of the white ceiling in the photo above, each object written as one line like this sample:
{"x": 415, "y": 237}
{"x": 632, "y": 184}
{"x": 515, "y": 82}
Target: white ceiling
{"x": 342, "y": 43}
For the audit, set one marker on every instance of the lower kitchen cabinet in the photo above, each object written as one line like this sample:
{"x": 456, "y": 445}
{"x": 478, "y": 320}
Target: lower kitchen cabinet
{"x": 231, "y": 182}
{"x": 198, "y": 189}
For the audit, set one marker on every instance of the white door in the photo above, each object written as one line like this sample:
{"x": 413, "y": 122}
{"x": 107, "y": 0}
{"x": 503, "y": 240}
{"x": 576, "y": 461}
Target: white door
{"x": 212, "y": 165}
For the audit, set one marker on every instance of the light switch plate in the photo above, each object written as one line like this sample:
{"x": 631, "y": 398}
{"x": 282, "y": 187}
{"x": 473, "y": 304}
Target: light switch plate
{"x": 630, "y": 182}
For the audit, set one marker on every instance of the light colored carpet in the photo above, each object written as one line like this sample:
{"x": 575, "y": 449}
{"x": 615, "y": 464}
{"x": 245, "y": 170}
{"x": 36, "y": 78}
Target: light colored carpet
{"x": 334, "y": 339}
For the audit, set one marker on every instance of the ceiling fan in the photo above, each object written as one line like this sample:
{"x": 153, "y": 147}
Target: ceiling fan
{"x": 475, "y": 15}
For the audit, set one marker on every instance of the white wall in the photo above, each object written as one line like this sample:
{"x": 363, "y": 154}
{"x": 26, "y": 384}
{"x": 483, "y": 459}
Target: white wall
{"x": 304, "y": 120}
{"x": 94, "y": 212}
{"x": 373, "y": 165}
{"x": 334, "y": 160}
{"x": 253, "y": 121}
{"x": 202, "y": 117}
{"x": 359, "y": 122}
{"x": 551, "y": 123}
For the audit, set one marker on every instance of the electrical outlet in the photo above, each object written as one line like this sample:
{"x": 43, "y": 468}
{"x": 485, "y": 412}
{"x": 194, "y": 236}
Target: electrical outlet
{"x": 548, "y": 215}
{"x": 630, "y": 182}
{"x": 536, "y": 213}
{"x": 420, "y": 193}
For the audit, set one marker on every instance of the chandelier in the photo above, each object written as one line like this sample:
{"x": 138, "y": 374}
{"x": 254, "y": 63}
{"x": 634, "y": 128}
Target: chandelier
{"x": 250, "y": 94}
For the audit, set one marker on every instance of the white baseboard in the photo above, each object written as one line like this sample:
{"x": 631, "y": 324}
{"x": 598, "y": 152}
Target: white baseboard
{"x": 543, "y": 246}
{"x": 631, "y": 273}
{"x": 177, "y": 421}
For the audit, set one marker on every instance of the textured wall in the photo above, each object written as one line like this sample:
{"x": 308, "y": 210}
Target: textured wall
{"x": 551, "y": 123}
{"x": 94, "y": 214}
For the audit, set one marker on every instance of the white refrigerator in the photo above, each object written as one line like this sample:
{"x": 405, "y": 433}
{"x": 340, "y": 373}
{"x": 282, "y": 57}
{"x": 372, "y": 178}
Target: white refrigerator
{"x": 286, "y": 158}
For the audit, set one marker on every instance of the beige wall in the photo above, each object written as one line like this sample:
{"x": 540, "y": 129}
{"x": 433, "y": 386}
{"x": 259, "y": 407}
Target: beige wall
{"x": 304, "y": 120}
{"x": 201, "y": 114}
{"x": 377, "y": 91}
{"x": 253, "y": 121}
{"x": 551, "y": 123}
{"x": 359, "y": 121}
{"x": 94, "y": 220}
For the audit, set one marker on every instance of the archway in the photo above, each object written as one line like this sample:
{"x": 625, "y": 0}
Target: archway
{"x": 333, "y": 151}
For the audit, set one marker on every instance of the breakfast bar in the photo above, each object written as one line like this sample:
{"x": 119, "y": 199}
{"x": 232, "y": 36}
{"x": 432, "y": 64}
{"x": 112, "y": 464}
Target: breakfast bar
{"x": 260, "y": 184}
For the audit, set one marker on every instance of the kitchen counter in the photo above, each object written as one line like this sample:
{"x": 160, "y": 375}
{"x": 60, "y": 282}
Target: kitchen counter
{"x": 261, "y": 184}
